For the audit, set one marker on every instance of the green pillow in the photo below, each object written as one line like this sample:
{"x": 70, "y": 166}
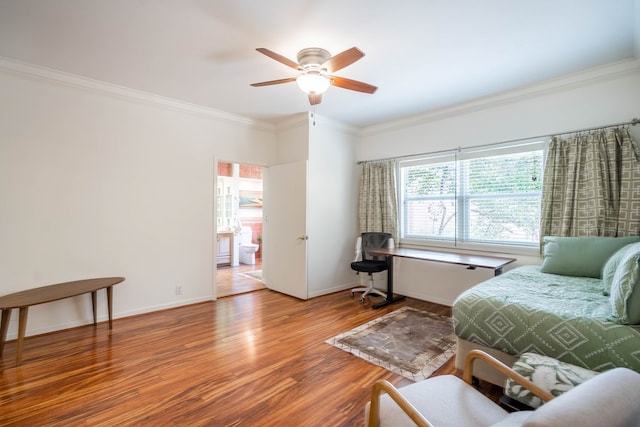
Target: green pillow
{"x": 625, "y": 287}
{"x": 580, "y": 256}
{"x": 609, "y": 269}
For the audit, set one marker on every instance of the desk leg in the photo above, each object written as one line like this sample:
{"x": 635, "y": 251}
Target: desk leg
{"x": 94, "y": 306}
{"x": 22, "y": 328}
{"x": 390, "y": 297}
{"x": 4, "y": 326}
{"x": 110, "y": 305}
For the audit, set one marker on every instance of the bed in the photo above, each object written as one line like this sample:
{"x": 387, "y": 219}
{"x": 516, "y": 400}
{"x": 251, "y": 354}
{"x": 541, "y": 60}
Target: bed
{"x": 570, "y": 318}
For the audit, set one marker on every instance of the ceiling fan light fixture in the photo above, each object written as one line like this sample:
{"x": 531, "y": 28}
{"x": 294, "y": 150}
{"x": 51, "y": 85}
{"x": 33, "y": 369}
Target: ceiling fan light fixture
{"x": 315, "y": 69}
{"x": 313, "y": 83}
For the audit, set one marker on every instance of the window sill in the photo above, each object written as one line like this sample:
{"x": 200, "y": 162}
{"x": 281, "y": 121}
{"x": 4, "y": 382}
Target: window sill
{"x": 473, "y": 247}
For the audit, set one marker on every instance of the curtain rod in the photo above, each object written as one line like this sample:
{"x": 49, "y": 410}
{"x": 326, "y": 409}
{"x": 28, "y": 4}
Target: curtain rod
{"x": 631, "y": 122}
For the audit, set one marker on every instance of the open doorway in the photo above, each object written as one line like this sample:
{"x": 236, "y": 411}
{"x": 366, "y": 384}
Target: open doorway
{"x": 239, "y": 219}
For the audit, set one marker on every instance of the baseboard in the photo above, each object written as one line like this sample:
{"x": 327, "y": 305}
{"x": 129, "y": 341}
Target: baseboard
{"x": 13, "y": 326}
{"x": 334, "y": 289}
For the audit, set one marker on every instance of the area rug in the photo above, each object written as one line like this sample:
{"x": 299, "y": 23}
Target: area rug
{"x": 255, "y": 275}
{"x": 408, "y": 342}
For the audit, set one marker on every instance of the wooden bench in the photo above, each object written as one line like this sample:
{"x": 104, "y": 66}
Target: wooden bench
{"x": 24, "y": 299}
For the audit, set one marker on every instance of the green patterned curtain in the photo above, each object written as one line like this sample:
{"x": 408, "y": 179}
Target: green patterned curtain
{"x": 377, "y": 209}
{"x": 592, "y": 185}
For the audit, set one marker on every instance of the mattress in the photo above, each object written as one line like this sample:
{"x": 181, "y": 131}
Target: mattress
{"x": 567, "y": 318}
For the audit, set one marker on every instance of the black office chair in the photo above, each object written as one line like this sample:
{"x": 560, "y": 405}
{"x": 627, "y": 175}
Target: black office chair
{"x": 367, "y": 263}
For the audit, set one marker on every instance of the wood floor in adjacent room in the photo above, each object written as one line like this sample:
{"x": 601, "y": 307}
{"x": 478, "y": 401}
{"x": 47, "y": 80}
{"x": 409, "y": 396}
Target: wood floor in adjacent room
{"x": 233, "y": 281}
{"x": 256, "y": 359}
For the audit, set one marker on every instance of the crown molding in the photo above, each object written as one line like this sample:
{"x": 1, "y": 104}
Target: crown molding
{"x": 567, "y": 82}
{"x": 38, "y": 72}
{"x": 312, "y": 119}
{"x": 293, "y": 121}
{"x": 328, "y": 122}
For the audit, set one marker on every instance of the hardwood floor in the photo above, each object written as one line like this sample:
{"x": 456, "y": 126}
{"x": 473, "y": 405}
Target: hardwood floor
{"x": 230, "y": 281}
{"x": 256, "y": 359}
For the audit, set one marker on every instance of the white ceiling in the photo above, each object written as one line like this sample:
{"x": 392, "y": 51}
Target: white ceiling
{"x": 422, "y": 54}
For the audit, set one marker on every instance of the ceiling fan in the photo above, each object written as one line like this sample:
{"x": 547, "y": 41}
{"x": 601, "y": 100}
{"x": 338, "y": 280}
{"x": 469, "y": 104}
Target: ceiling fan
{"x": 315, "y": 67}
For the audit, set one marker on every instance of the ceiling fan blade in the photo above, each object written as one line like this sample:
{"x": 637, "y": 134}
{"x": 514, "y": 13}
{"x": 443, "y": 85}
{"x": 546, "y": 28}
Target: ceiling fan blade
{"x": 315, "y": 98}
{"x": 352, "y": 84}
{"x": 341, "y": 60}
{"x": 279, "y": 58}
{"x": 274, "y": 82}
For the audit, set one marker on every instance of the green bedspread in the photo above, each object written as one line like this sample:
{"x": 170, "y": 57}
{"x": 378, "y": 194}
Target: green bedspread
{"x": 567, "y": 318}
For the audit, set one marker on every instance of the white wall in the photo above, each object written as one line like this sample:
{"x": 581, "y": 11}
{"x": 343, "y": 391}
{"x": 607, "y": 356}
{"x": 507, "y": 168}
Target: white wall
{"x": 293, "y": 140}
{"x": 332, "y": 206}
{"x": 329, "y": 147}
{"x": 292, "y": 146}
{"x": 101, "y": 181}
{"x": 596, "y": 97}
{"x": 97, "y": 180}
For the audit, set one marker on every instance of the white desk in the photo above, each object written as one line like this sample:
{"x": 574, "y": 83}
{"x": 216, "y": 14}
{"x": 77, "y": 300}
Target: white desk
{"x": 471, "y": 261}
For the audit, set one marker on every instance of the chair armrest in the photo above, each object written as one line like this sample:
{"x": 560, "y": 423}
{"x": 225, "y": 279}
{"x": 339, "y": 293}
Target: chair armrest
{"x": 467, "y": 374}
{"x": 411, "y": 411}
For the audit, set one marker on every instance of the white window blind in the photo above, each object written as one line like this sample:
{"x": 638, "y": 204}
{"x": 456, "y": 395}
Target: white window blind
{"x": 484, "y": 195}
{"x": 429, "y": 197}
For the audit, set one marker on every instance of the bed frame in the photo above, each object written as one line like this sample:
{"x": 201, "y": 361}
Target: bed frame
{"x": 482, "y": 370}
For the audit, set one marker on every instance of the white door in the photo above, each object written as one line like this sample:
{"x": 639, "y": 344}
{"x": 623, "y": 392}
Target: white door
{"x": 285, "y": 242}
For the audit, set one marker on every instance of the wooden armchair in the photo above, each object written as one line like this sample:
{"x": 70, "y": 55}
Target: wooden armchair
{"x": 609, "y": 398}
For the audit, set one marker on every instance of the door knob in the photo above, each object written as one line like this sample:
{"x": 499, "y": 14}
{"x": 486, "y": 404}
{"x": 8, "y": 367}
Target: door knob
{"x": 303, "y": 238}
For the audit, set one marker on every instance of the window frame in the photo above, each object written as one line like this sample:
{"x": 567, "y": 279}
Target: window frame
{"x": 461, "y": 198}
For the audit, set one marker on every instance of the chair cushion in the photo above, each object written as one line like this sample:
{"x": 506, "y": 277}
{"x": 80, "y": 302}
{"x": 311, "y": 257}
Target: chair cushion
{"x": 369, "y": 266}
{"x": 444, "y": 400}
{"x": 514, "y": 419}
{"x": 608, "y": 399}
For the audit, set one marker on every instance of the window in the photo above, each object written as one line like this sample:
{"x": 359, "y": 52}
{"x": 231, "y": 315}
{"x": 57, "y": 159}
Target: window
{"x": 473, "y": 198}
